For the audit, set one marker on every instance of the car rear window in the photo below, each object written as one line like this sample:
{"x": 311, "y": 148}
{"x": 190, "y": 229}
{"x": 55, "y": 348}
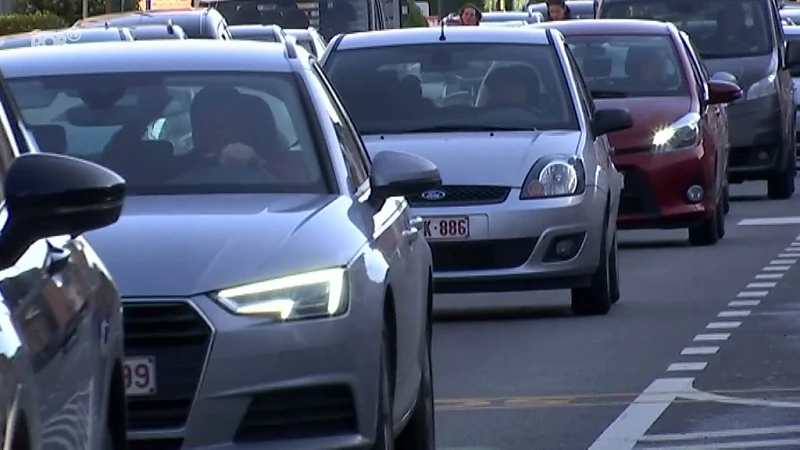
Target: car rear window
{"x": 405, "y": 89}
{"x": 719, "y": 28}
{"x": 629, "y": 66}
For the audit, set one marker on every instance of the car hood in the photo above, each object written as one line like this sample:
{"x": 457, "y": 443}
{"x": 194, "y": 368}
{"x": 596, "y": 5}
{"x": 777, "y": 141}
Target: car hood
{"x": 649, "y": 114}
{"x": 482, "y": 158}
{"x": 747, "y": 70}
{"x": 179, "y": 246}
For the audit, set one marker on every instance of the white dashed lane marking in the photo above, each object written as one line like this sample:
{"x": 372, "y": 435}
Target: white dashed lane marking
{"x": 712, "y": 337}
{"x": 741, "y": 303}
{"x": 740, "y": 313}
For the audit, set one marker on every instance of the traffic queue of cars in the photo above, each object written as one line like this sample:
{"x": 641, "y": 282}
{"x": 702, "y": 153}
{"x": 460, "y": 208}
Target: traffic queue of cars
{"x": 284, "y": 232}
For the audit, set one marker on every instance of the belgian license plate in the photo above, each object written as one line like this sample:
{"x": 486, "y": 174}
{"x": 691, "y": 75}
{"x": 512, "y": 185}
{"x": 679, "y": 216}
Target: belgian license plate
{"x": 140, "y": 376}
{"x": 444, "y": 228}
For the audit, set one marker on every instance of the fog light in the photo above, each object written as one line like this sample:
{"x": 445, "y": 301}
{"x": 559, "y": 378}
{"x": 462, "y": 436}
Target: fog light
{"x": 695, "y": 193}
{"x": 762, "y": 156}
{"x": 564, "y": 248}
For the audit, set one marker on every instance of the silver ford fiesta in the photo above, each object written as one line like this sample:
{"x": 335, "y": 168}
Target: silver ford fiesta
{"x": 530, "y": 194}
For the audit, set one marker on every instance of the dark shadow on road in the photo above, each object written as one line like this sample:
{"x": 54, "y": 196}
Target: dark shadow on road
{"x": 482, "y": 314}
{"x": 649, "y": 245}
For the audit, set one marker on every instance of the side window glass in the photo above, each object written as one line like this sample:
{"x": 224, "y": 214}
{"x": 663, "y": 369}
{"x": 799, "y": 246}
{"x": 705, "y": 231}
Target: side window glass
{"x": 351, "y": 145}
{"x": 586, "y": 99}
{"x": 697, "y": 70}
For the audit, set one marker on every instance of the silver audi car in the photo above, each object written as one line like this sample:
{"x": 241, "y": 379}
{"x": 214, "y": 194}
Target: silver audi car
{"x": 276, "y": 289}
{"x": 530, "y": 194}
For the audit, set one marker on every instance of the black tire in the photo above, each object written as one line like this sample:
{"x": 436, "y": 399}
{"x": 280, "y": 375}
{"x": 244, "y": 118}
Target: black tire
{"x": 420, "y": 432}
{"x": 707, "y": 231}
{"x": 614, "y": 271}
{"x": 726, "y": 199}
{"x": 781, "y": 185}
{"x": 721, "y": 221}
{"x": 384, "y": 430}
{"x": 596, "y": 298}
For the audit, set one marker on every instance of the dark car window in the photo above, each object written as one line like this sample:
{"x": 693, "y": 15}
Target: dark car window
{"x": 629, "y": 66}
{"x": 414, "y": 88}
{"x": 254, "y": 35}
{"x": 330, "y": 18}
{"x": 719, "y": 28}
{"x": 188, "y": 132}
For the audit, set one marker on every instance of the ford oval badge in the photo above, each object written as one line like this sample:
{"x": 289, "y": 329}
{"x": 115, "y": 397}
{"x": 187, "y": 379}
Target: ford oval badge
{"x": 433, "y": 195}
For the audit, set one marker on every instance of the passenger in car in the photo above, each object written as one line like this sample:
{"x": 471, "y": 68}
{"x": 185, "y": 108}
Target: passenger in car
{"x": 512, "y": 86}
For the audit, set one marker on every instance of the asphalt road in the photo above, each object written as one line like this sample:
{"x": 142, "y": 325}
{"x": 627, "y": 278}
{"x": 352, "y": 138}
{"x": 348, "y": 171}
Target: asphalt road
{"x": 518, "y": 372}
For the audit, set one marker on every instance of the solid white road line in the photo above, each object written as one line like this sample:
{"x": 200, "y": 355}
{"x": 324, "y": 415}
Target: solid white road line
{"x": 769, "y": 276}
{"x": 740, "y": 303}
{"x": 789, "y": 255}
{"x": 741, "y": 432}
{"x": 639, "y": 416}
{"x": 770, "y": 221}
{"x": 795, "y": 244}
{"x": 761, "y": 285}
{"x": 776, "y": 268}
{"x": 711, "y": 337}
{"x": 699, "y": 351}
{"x": 739, "y": 313}
{"x": 734, "y": 445}
{"x": 687, "y": 367}
{"x": 723, "y": 325}
{"x": 751, "y": 294}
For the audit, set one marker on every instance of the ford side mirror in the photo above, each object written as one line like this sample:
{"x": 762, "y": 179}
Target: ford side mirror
{"x": 609, "y": 120}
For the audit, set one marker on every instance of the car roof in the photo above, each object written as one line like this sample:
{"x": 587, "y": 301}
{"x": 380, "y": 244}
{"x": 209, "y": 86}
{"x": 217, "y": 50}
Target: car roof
{"x": 298, "y": 32}
{"x": 158, "y": 30}
{"x": 10, "y": 41}
{"x": 608, "y": 26}
{"x": 791, "y": 30}
{"x": 412, "y": 36}
{"x": 185, "y": 17}
{"x": 255, "y": 28}
{"x": 146, "y": 56}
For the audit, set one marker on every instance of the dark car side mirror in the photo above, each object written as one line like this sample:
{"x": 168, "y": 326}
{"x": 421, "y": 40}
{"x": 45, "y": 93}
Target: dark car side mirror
{"x": 609, "y": 120}
{"x": 401, "y": 174}
{"x": 723, "y": 92}
{"x": 51, "y": 195}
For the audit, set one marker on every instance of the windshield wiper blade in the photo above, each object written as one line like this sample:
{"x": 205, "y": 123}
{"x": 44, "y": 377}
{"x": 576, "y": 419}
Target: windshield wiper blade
{"x": 610, "y": 94}
{"x": 455, "y": 128}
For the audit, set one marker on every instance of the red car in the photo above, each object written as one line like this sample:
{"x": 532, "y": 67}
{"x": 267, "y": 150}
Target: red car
{"x": 675, "y": 157}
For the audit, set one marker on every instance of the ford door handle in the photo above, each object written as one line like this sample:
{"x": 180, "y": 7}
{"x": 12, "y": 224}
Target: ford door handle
{"x": 412, "y": 234}
{"x": 416, "y": 222}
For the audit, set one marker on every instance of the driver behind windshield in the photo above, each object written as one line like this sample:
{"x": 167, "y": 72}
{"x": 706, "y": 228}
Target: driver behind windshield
{"x": 645, "y": 67}
{"x": 512, "y": 86}
{"x": 732, "y": 28}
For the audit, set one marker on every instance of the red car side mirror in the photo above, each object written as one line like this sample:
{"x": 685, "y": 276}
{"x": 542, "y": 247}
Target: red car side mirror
{"x": 722, "y": 92}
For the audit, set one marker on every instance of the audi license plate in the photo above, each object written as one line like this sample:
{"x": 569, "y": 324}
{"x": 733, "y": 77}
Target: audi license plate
{"x": 140, "y": 376}
{"x": 445, "y": 228}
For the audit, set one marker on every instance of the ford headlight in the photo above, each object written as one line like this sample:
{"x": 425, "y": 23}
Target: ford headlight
{"x": 554, "y": 176}
{"x": 762, "y": 88}
{"x": 683, "y": 134}
{"x": 307, "y": 295}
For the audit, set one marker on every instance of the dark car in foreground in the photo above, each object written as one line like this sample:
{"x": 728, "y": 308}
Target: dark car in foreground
{"x": 206, "y": 23}
{"x": 277, "y": 290}
{"x": 675, "y": 156}
{"x": 64, "y": 37}
{"x": 742, "y": 42}
{"x": 61, "y": 353}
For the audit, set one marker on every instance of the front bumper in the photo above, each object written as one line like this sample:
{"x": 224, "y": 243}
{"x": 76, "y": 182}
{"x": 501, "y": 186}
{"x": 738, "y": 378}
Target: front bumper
{"x": 231, "y": 382}
{"x": 756, "y": 135}
{"x": 655, "y": 189}
{"x": 511, "y": 242}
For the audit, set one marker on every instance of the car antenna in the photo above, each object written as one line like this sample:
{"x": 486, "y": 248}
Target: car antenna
{"x": 442, "y": 37}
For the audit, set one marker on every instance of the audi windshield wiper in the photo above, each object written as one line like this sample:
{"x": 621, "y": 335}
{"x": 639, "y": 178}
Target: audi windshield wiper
{"x": 454, "y": 128}
{"x": 610, "y": 94}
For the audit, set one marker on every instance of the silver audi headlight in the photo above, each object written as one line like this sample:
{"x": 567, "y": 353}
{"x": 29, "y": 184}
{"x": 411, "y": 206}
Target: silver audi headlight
{"x": 321, "y": 293}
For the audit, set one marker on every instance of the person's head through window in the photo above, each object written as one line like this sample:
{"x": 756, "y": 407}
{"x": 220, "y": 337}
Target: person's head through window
{"x": 215, "y": 118}
{"x": 512, "y": 86}
{"x": 469, "y": 15}
{"x": 731, "y": 23}
{"x": 645, "y": 66}
{"x": 557, "y": 10}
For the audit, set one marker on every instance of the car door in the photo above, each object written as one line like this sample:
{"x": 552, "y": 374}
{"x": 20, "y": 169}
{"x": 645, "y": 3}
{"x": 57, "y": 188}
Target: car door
{"x": 715, "y": 117}
{"x": 48, "y": 291}
{"x": 398, "y": 235}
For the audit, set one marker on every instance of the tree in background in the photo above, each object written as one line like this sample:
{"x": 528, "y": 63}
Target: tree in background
{"x": 70, "y": 10}
{"x": 414, "y": 18}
